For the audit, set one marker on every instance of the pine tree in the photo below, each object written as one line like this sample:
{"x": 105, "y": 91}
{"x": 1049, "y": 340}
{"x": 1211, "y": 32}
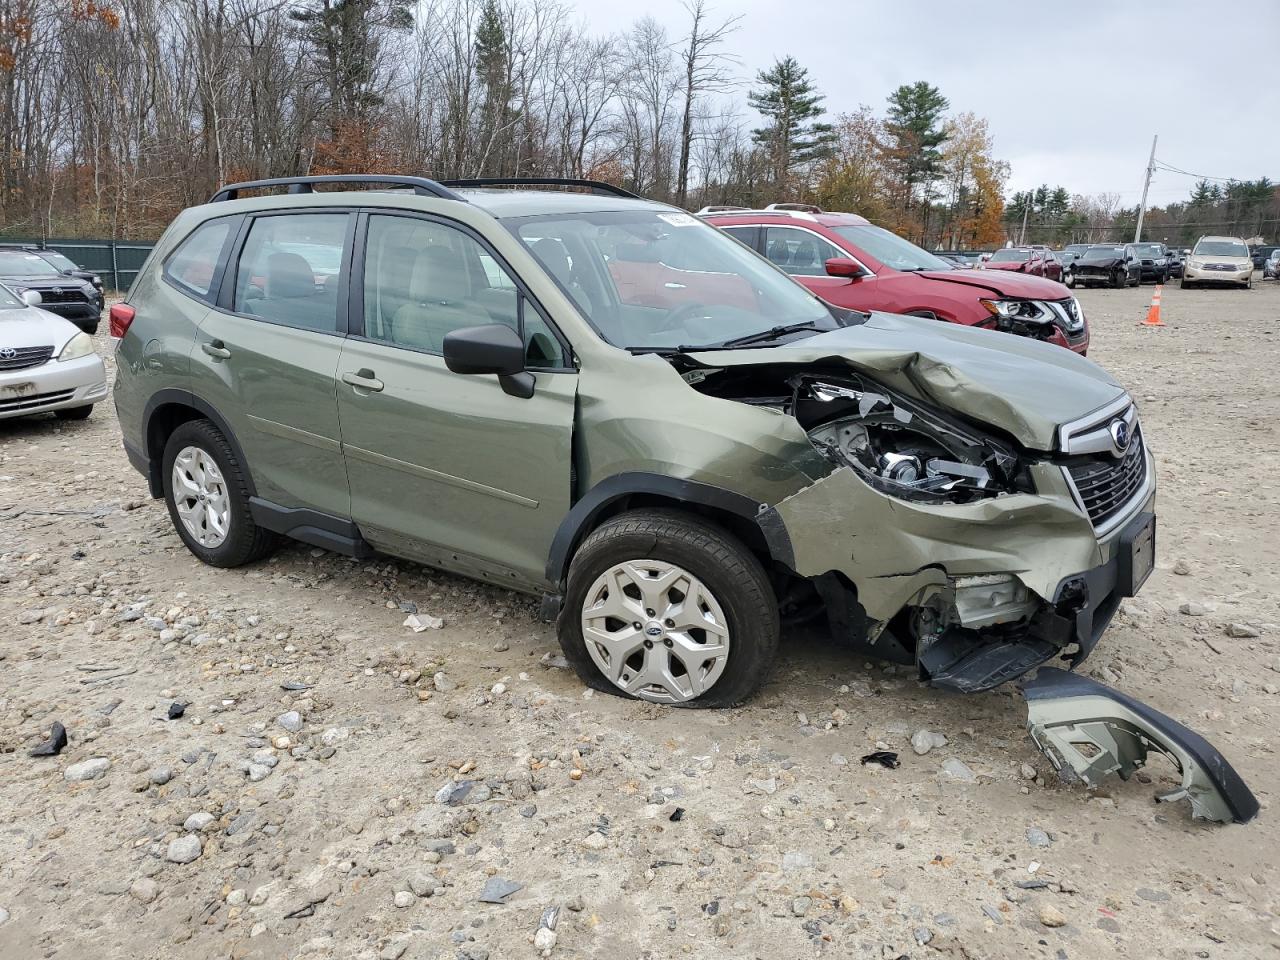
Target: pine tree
{"x": 493, "y": 68}
{"x": 345, "y": 38}
{"x": 794, "y": 137}
{"x": 917, "y": 130}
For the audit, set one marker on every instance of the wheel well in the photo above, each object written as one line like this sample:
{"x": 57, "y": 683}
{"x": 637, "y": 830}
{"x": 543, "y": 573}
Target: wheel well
{"x": 741, "y": 527}
{"x": 165, "y": 419}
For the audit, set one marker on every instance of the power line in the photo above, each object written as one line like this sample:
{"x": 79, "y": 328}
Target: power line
{"x": 1161, "y": 165}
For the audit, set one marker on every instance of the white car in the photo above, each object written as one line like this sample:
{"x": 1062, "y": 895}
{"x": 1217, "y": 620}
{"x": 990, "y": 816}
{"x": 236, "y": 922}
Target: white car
{"x": 47, "y": 365}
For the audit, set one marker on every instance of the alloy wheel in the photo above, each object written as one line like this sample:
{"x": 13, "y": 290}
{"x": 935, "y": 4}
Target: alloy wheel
{"x": 200, "y": 496}
{"x": 655, "y": 631}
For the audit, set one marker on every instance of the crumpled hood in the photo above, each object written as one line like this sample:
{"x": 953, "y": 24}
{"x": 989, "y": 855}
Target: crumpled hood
{"x": 1003, "y": 283}
{"x": 1025, "y": 387}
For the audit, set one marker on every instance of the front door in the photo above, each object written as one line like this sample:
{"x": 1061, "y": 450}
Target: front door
{"x": 804, "y": 255}
{"x": 266, "y": 355}
{"x": 448, "y": 468}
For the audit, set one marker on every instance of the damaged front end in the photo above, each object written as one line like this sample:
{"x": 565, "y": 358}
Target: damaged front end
{"x": 940, "y": 541}
{"x": 1087, "y": 730}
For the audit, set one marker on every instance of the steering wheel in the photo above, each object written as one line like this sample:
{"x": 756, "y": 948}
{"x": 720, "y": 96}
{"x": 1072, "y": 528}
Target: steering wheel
{"x": 677, "y": 317}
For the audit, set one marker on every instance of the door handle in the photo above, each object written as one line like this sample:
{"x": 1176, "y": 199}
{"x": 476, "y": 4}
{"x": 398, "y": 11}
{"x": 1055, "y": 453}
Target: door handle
{"x": 216, "y": 349}
{"x": 363, "y": 380}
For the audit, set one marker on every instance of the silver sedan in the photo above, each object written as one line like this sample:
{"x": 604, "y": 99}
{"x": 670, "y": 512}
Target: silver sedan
{"x": 47, "y": 365}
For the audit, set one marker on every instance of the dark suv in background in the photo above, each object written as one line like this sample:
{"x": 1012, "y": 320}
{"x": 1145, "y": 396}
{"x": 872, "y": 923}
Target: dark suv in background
{"x": 70, "y": 297}
{"x": 1153, "y": 262}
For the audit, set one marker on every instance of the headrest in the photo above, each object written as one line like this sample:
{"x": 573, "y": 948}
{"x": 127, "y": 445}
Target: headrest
{"x": 289, "y": 276}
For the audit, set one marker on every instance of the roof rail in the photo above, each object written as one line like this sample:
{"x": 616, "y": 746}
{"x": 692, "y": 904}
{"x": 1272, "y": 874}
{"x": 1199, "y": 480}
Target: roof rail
{"x": 799, "y": 207}
{"x": 721, "y": 208}
{"x": 420, "y": 185}
{"x": 597, "y": 186}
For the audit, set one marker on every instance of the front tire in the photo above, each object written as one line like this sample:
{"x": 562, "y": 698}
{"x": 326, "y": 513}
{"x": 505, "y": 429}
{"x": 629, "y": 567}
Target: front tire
{"x": 208, "y": 498}
{"x": 664, "y": 607}
{"x": 1120, "y": 280}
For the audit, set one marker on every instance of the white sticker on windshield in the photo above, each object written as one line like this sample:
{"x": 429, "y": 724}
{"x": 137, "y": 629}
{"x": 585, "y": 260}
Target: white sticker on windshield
{"x": 677, "y": 219}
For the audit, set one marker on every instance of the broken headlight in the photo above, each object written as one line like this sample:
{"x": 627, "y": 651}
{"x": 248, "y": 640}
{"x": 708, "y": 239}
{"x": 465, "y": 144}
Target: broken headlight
{"x": 1027, "y": 318}
{"x": 901, "y": 447}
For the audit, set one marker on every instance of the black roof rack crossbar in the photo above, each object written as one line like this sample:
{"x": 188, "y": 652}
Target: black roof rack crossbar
{"x": 597, "y": 186}
{"x": 420, "y": 185}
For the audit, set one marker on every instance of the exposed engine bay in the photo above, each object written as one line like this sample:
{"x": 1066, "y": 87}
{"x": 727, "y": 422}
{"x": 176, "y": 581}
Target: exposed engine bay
{"x": 897, "y": 445}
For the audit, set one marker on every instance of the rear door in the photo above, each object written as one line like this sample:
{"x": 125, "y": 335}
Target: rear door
{"x": 266, "y": 354}
{"x": 448, "y": 468}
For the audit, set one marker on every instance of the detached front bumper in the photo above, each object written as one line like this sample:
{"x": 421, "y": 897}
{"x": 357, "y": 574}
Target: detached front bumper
{"x": 975, "y": 594}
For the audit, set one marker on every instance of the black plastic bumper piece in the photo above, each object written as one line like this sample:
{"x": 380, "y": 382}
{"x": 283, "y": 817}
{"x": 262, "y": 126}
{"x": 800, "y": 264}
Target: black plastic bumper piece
{"x": 1076, "y": 709}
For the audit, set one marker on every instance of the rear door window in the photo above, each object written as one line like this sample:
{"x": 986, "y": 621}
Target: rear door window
{"x": 193, "y": 265}
{"x": 290, "y": 269}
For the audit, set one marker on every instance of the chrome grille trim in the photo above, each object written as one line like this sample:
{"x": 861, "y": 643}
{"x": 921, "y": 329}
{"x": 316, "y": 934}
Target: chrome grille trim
{"x": 24, "y": 357}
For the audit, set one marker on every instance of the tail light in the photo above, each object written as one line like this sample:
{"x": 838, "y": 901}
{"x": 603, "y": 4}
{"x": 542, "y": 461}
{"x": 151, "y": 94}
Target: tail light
{"x": 121, "y": 315}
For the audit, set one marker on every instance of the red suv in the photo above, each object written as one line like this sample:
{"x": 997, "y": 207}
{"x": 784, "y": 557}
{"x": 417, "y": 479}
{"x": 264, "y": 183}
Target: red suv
{"x": 849, "y": 262}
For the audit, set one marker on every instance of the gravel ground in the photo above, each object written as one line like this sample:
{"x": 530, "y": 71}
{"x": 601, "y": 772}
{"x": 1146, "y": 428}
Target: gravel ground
{"x": 339, "y": 786}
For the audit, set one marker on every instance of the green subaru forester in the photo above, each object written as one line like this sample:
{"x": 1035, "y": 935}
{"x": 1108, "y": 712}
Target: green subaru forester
{"x": 580, "y": 394}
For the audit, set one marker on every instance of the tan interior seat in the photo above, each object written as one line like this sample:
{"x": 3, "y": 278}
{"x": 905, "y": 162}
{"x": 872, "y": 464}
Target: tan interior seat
{"x": 438, "y": 301}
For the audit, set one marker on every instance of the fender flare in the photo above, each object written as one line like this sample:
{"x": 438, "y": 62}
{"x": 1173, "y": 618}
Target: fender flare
{"x": 186, "y": 398}
{"x": 582, "y": 515}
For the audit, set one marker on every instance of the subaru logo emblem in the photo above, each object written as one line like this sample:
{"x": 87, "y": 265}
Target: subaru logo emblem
{"x": 653, "y": 630}
{"x": 1120, "y": 435}
{"x": 8, "y": 353}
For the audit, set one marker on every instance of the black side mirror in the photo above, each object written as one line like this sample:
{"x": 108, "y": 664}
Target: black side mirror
{"x": 490, "y": 348}
{"x": 66, "y": 272}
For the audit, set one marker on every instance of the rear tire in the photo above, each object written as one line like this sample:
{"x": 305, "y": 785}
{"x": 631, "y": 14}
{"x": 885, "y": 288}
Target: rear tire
{"x": 74, "y": 413}
{"x": 727, "y": 571}
{"x": 242, "y": 541}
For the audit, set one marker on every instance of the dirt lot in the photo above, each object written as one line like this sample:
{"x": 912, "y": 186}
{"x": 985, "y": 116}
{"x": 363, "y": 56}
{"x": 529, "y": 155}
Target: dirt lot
{"x": 324, "y": 834}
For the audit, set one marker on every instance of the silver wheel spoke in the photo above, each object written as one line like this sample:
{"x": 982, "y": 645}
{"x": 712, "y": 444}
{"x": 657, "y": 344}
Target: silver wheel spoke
{"x": 200, "y": 497}
{"x": 683, "y": 644}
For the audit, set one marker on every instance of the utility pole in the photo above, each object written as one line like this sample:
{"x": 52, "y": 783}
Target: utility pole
{"x": 1146, "y": 185}
{"x": 1026, "y": 209}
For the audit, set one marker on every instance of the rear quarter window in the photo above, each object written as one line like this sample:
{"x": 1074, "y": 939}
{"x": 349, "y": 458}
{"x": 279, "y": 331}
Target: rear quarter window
{"x": 193, "y": 266}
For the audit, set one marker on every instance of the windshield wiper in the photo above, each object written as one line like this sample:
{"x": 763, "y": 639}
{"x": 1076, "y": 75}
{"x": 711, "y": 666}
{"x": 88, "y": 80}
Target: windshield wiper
{"x": 773, "y": 333}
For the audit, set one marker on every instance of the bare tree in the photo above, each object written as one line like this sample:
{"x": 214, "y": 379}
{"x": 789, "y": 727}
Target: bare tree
{"x": 706, "y": 70}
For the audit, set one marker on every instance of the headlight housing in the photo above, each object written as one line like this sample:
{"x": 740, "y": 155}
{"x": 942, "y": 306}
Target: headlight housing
{"x": 900, "y": 447}
{"x": 1195, "y": 264}
{"x": 81, "y": 345}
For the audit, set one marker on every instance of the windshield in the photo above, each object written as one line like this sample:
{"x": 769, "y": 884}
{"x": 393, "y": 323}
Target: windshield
{"x": 1150, "y": 249}
{"x": 1103, "y": 253}
{"x": 24, "y": 265}
{"x": 890, "y": 249}
{"x": 655, "y": 279}
{"x": 1077, "y": 248}
{"x": 58, "y": 260}
{"x": 1221, "y": 248}
{"x": 8, "y": 299}
{"x": 1011, "y": 256}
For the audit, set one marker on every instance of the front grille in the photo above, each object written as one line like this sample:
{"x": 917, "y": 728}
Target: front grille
{"x": 1090, "y": 271}
{"x": 1106, "y": 484}
{"x": 63, "y": 296}
{"x": 24, "y": 357}
{"x": 33, "y": 400}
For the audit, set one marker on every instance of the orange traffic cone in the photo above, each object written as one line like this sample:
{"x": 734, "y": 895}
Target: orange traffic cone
{"x": 1153, "y": 312}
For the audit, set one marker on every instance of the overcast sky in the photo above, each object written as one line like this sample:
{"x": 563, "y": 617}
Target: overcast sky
{"x": 1073, "y": 89}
